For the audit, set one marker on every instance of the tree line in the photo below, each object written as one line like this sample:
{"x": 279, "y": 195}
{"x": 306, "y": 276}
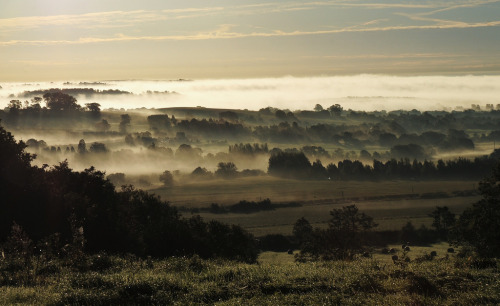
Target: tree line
{"x": 297, "y": 165}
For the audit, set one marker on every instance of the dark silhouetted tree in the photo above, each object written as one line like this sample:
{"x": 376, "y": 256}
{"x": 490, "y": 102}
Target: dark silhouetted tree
{"x": 302, "y": 232}
{"x": 58, "y": 101}
{"x": 336, "y": 109}
{"x": 346, "y": 231}
{"x": 167, "y": 178}
{"x": 103, "y": 125}
{"x": 479, "y": 226}
{"x": 200, "y": 172}
{"x": 82, "y": 147}
{"x": 159, "y": 122}
{"x": 411, "y": 151}
{"x": 94, "y": 109}
{"x": 85, "y": 207}
{"x": 409, "y": 233}
{"x": 442, "y": 221}
{"x": 187, "y": 152}
{"x": 125, "y": 123}
{"x": 318, "y": 108}
{"x": 226, "y": 170}
{"x": 228, "y": 115}
{"x": 280, "y": 114}
{"x": 98, "y": 147}
{"x": 289, "y": 164}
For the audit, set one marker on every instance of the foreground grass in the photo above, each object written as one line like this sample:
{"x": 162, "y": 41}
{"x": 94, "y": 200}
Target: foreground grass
{"x": 119, "y": 280}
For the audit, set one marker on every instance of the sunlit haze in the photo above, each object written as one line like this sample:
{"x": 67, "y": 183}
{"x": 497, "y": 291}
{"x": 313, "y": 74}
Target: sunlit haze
{"x": 359, "y": 92}
{"x": 59, "y": 40}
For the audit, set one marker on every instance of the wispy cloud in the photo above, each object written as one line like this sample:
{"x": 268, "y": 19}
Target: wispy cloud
{"x": 455, "y": 6}
{"x": 103, "y": 19}
{"x": 435, "y": 5}
{"x": 46, "y": 63}
{"x": 391, "y": 56}
{"x": 130, "y": 18}
{"x": 224, "y": 32}
{"x": 446, "y": 23}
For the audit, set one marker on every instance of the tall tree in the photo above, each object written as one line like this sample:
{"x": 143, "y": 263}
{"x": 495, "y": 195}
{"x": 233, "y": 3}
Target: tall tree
{"x": 479, "y": 226}
{"x": 336, "y": 109}
{"x": 302, "y": 232}
{"x": 59, "y": 101}
{"x": 226, "y": 170}
{"x": 318, "y": 108}
{"x": 167, "y": 178}
{"x": 346, "y": 232}
{"x": 124, "y": 123}
{"x": 442, "y": 220}
{"x": 82, "y": 147}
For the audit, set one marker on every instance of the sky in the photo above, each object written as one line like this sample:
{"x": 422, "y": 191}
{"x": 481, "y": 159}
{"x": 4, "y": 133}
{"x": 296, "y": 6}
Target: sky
{"x": 55, "y": 40}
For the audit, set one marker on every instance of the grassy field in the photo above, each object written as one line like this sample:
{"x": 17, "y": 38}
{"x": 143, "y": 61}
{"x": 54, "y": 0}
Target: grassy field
{"x": 203, "y": 193}
{"x": 107, "y": 280}
{"x": 390, "y": 215}
{"x": 391, "y": 203}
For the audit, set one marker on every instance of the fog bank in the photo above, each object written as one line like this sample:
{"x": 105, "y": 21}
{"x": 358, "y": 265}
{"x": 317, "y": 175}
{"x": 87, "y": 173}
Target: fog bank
{"x": 359, "y": 92}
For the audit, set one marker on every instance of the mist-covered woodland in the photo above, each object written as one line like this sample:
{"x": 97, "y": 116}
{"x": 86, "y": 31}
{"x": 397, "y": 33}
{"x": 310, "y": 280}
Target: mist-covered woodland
{"x": 324, "y": 142}
{"x": 77, "y": 202}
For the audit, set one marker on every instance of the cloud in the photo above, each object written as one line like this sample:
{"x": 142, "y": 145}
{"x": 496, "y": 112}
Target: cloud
{"x": 461, "y": 5}
{"x": 434, "y": 5}
{"x": 109, "y": 19}
{"x": 130, "y": 18}
{"x": 392, "y": 56}
{"x": 224, "y": 32}
{"x": 46, "y": 63}
{"x": 452, "y": 23}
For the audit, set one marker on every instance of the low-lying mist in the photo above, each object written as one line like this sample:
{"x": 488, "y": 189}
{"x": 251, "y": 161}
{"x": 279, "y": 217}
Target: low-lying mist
{"x": 358, "y": 92}
{"x": 143, "y": 165}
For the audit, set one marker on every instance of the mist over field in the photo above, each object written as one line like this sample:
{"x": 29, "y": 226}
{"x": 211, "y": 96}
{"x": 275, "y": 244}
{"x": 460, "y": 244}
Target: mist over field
{"x": 357, "y": 92}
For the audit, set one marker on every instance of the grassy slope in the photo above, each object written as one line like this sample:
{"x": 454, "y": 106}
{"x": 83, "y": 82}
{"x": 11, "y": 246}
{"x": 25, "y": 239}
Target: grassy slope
{"x": 185, "y": 281}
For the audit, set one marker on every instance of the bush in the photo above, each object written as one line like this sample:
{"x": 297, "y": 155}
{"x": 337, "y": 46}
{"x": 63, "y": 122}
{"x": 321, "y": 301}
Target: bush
{"x": 343, "y": 239}
{"x": 275, "y": 242}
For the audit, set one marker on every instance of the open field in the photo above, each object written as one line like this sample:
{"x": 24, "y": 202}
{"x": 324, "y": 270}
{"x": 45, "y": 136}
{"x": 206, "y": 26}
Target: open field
{"x": 203, "y": 193}
{"x": 390, "y": 215}
{"x": 391, "y": 203}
